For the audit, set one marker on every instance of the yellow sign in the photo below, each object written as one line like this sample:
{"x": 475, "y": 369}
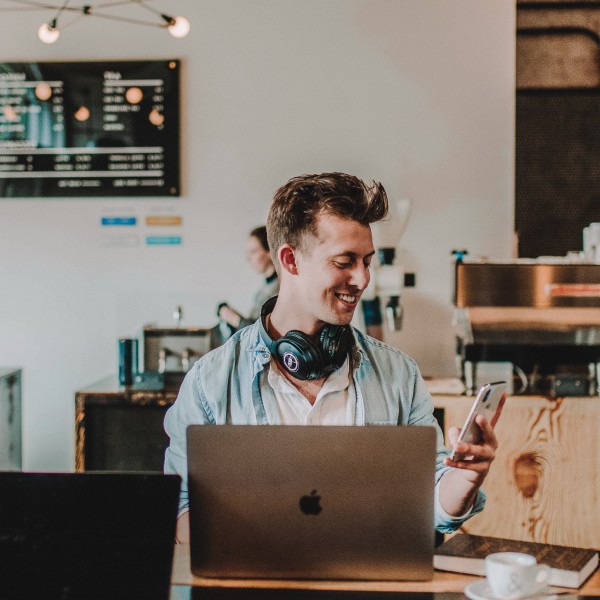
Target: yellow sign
{"x": 163, "y": 220}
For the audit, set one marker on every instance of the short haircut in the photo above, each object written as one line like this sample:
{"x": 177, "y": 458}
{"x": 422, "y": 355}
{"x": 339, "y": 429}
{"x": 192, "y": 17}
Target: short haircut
{"x": 260, "y": 233}
{"x": 299, "y": 203}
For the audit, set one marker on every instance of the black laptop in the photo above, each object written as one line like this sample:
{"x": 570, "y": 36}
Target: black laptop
{"x": 87, "y": 535}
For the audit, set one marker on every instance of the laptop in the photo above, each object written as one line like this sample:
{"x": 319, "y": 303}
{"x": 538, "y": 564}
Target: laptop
{"x": 302, "y": 502}
{"x": 87, "y": 535}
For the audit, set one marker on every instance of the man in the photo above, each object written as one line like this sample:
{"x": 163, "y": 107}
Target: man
{"x": 302, "y": 363}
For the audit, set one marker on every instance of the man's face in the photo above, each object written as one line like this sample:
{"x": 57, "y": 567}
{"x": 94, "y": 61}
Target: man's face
{"x": 333, "y": 270}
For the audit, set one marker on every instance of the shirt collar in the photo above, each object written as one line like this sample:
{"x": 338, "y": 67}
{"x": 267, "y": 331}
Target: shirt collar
{"x": 337, "y": 380}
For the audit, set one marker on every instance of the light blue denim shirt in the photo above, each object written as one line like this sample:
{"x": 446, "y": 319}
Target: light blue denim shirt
{"x": 224, "y": 387}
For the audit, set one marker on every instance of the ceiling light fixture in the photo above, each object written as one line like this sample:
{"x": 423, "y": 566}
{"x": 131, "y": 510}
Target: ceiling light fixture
{"x": 115, "y": 10}
{"x": 178, "y": 26}
{"x": 48, "y": 32}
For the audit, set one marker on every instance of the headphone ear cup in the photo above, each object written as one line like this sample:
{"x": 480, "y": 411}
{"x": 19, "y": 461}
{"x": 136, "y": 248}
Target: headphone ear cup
{"x": 336, "y": 342}
{"x": 301, "y": 358}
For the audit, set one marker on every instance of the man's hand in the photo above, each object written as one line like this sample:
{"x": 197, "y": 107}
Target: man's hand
{"x": 459, "y": 487}
{"x": 182, "y": 535}
{"x": 479, "y": 457}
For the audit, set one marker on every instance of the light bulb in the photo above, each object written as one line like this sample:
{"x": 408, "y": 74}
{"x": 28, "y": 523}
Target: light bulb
{"x": 48, "y": 32}
{"x": 156, "y": 118}
{"x": 43, "y": 91}
{"x": 134, "y": 95}
{"x": 82, "y": 113}
{"x": 179, "y": 27}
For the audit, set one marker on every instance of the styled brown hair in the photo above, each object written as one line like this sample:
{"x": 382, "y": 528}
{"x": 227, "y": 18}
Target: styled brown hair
{"x": 298, "y": 204}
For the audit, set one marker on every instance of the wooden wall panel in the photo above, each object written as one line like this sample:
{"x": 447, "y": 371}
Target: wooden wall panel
{"x": 544, "y": 485}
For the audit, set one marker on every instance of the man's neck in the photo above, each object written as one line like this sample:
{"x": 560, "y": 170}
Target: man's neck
{"x": 287, "y": 316}
{"x": 308, "y": 388}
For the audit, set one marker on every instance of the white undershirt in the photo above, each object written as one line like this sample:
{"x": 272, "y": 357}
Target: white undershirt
{"x": 336, "y": 402}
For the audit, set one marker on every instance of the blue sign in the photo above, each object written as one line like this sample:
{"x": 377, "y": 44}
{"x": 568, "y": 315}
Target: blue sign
{"x": 163, "y": 240}
{"x": 113, "y": 221}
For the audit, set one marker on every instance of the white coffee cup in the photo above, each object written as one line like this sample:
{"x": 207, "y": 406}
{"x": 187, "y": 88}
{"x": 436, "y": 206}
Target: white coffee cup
{"x": 514, "y": 575}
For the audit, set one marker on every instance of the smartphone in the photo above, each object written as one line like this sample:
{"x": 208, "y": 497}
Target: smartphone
{"x": 489, "y": 402}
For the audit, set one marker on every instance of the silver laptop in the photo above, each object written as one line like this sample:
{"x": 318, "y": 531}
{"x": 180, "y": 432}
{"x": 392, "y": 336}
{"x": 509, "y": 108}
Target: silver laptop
{"x": 302, "y": 502}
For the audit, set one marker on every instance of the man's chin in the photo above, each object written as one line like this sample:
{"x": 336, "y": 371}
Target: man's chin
{"x": 342, "y": 319}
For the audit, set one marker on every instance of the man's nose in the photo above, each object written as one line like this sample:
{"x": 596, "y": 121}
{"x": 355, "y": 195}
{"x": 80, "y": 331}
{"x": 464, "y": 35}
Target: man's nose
{"x": 361, "y": 277}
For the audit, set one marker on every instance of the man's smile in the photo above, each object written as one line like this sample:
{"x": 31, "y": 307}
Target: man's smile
{"x": 348, "y": 298}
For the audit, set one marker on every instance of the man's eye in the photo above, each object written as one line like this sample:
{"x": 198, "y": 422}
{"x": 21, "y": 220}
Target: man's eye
{"x": 344, "y": 265}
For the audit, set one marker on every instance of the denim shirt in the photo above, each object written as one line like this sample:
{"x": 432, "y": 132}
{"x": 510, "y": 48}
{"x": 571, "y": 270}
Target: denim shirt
{"x": 223, "y": 387}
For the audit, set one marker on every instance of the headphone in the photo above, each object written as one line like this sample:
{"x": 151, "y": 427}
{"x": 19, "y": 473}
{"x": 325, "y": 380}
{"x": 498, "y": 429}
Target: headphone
{"x": 300, "y": 355}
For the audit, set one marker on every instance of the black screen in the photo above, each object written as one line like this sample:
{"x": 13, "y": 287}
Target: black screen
{"x": 89, "y": 129}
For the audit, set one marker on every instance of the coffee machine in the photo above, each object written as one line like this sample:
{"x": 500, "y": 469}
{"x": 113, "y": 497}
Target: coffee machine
{"x": 170, "y": 352}
{"x": 542, "y": 315}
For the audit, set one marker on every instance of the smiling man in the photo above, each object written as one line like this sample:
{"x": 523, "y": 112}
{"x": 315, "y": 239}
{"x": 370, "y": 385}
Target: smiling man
{"x": 302, "y": 363}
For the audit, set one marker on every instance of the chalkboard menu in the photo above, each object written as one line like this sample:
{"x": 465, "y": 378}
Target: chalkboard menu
{"x": 89, "y": 129}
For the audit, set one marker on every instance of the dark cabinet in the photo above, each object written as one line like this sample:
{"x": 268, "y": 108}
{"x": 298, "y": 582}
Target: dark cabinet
{"x": 118, "y": 428}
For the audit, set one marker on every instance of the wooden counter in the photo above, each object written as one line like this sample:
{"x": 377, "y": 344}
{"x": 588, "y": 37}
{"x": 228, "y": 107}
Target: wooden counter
{"x": 544, "y": 485}
{"x": 441, "y": 582}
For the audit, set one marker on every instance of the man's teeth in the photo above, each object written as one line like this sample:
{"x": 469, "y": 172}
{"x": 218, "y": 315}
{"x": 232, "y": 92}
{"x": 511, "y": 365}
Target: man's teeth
{"x": 347, "y": 298}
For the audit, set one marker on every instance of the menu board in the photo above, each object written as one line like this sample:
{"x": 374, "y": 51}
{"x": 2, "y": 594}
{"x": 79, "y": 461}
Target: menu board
{"x": 89, "y": 129}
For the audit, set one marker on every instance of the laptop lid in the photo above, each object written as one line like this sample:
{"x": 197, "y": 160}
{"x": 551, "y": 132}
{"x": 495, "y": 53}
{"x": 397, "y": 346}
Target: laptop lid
{"x": 87, "y": 535}
{"x": 295, "y": 502}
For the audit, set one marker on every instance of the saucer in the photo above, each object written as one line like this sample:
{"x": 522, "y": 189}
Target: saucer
{"x": 480, "y": 590}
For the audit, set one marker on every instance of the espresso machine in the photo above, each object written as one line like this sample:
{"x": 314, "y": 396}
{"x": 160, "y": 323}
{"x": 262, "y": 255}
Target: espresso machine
{"x": 542, "y": 315}
{"x": 172, "y": 351}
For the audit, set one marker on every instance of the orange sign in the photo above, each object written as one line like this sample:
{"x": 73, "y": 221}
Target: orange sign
{"x": 164, "y": 220}
{"x": 574, "y": 290}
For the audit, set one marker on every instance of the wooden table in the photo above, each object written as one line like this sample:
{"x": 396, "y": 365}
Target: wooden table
{"x": 441, "y": 582}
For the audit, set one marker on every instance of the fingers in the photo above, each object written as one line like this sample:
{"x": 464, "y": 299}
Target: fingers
{"x": 480, "y": 455}
{"x": 477, "y": 455}
{"x": 453, "y": 434}
{"x": 487, "y": 432}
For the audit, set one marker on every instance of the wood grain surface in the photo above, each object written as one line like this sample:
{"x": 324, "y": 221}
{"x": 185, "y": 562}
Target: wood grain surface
{"x": 544, "y": 485}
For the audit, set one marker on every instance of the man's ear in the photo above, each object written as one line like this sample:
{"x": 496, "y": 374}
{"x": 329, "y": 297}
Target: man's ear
{"x": 287, "y": 259}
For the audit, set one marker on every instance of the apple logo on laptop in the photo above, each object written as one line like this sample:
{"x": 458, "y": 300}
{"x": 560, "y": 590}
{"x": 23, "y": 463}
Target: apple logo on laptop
{"x": 310, "y": 504}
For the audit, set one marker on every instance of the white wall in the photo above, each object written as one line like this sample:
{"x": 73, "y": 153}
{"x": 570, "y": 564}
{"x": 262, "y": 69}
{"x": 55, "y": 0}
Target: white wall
{"x": 416, "y": 94}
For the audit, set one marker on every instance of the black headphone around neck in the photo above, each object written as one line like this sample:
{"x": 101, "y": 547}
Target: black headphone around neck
{"x": 300, "y": 355}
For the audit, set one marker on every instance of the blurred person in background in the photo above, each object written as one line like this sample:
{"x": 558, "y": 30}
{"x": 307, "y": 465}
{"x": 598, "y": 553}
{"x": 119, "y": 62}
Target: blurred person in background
{"x": 258, "y": 257}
